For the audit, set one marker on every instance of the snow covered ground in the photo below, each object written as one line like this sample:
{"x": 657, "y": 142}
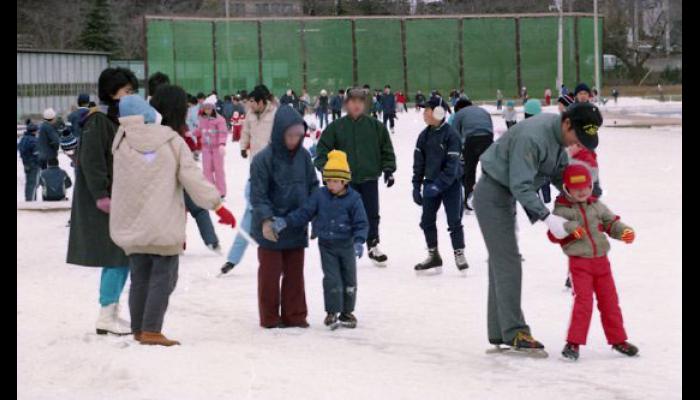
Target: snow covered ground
{"x": 418, "y": 337}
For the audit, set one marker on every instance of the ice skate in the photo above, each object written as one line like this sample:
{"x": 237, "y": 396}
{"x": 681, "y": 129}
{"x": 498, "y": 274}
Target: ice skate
{"x": 108, "y": 322}
{"x": 331, "y": 321}
{"x": 377, "y": 257}
{"x": 432, "y": 265}
{"x": 347, "y": 320}
{"x": 570, "y": 351}
{"x": 523, "y": 345}
{"x": 228, "y": 266}
{"x": 461, "y": 261}
{"x": 216, "y": 248}
{"x": 626, "y": 348}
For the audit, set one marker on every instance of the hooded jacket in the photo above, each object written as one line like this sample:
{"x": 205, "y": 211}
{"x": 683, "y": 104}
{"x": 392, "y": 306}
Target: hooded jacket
{"x": 211, "y": 132}
{"x": 152, "y": 164}
{"x": 281, "y": 181}
{"x": 595, "y": 218}
{"x": 257, "y": 129}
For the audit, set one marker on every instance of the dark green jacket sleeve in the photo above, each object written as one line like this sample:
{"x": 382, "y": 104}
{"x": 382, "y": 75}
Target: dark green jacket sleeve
{"x": 325, "y": 145}
{"x": 387, "y": 151}
{"x": 96, "y": 157}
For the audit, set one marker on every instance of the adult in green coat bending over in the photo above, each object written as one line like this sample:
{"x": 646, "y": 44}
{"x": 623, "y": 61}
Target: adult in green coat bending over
{"x": 370, "y": 153}
{"x": 89, "y": 243}
{"x": 514, "y": 168}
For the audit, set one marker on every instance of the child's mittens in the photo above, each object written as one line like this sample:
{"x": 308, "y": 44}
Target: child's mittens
{"x": 278, "y": 225}
{"x": 225, "y": 216}
{"x": 555, "y": 224}
{"x": 578, "y": 233}
{"x": 359, "y": 247}
{"x": 627, "y": 235}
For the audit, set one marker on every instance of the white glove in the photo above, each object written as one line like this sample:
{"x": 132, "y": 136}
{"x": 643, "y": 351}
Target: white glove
{"x": 555, "y": 224}
{"x": 222, "y": 150}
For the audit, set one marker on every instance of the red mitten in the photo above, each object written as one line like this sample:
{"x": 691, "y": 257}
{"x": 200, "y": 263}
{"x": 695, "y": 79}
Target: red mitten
{"x": 627, "y": 236}
{"x": 104, "y": 204}
{"x": 578, "y": 233}
{"x": 225, "y": 217}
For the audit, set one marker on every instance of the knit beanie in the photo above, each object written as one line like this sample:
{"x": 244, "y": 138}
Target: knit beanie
{"x": 532, "y": 107}
{"x": 67, "y": 141}
{"x": 577, "y": 176}
{"x": 210, "y": 100}
{"x": 337, "y": 166}
{"x": 136, "y": 105}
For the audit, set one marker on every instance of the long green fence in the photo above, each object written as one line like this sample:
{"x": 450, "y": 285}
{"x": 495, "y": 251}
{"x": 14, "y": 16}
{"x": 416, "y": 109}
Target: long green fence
{"x": 476, "y": 53}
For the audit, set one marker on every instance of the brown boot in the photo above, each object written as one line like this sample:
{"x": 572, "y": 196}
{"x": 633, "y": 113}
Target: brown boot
{"x": 137, "y": 336}
{"x": 156, "y": 338}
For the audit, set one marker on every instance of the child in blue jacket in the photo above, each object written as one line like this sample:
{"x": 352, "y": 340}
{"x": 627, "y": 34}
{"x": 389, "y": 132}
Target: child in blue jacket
{"x": 340, "y": 222}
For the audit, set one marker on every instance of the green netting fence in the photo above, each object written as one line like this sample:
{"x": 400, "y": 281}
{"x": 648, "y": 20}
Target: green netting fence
{"x": 476, "y": 53}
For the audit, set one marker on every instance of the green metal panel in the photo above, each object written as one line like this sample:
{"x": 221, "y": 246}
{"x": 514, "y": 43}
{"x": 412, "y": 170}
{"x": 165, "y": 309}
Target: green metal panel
{"x": 489, "y": 58}
{"x": 432, "y": 55}
{"x": 538, "y": 54}
{"x": 569, "y": 56}
{"x": 282, "y": 63}
{"x": 328, "y": 47}
{"x": 379, "y": 58}
{"x": 586, "y": 49}
{"x": 236, "y": 56}
{"x": 194, "y": 55}
{"x": 159, "y": 39}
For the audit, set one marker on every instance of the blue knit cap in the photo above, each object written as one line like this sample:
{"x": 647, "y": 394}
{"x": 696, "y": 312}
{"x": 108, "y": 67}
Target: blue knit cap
{"x": 136, "y": 105}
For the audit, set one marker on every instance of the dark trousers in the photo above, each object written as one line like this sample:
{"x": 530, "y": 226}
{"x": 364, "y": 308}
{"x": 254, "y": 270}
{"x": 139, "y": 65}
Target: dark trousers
{"x": 339, "y": 275}
{"x": 473, "y": 148}
{"x": 336, "y": 114}
{"x": 510, "y": 123}
{"x": 31, "y": 174}
{"x": 546, "y": 193}
{"x": 291, "y": 299}
{"x": 451, "y": 198}
{"x": 206, "y": 227}
{"x": 389, "y": 117}
{"x": 369, "y": 191}
{"x": 153, "y": 279}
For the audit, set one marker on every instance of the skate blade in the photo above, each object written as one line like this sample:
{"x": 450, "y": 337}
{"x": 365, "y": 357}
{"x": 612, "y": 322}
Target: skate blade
{"x": 334, "y": 326}
{"x": 530, "y": 353}
{"x": 106, "y": 332}
{"x": 348, "y": 325}
{"x": 429, "y": 272}
{"x": 379, "y": 264}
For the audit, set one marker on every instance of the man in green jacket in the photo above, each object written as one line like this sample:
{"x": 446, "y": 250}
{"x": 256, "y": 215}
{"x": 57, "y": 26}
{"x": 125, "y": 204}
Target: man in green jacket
{"x": 370, "y": 153}
{"x": 514, "y": 168}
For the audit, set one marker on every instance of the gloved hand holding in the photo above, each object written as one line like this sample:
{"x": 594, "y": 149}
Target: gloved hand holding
{"x": 627, "y": 236}
{"x": 359, "y": 247}
{"x": 225, "y": 216}
{"x": 278, "y": 225}
{"x": 222, "y": 150}
{"x": 104, "y": 204}
{"x": 389, "y": 178}
{"x": 417, "y": 198}
{"x": 268, "y": 232}
{"x": 244, "y": 153}
{"x": 431, "y": 190}
{"x": 578, "y": 233}
{"x": 555, "y": 224}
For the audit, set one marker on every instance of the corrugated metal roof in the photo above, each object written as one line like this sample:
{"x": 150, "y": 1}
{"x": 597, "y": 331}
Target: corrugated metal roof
{"x": 64, "y": 51}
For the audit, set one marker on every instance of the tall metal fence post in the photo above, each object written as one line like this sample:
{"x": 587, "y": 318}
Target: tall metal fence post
{"x": 145, "y": 54}
{"x": 403, "y": 56}
{"x": 213, "y": 49}
{"x": 260, "y": 53}
{"x": 460, "y": 41}
{"x": 354, "y": 53}
{"x": 518, "y": 72}
{"x": 576, "y": 49}
{"x": 302, "y": 27}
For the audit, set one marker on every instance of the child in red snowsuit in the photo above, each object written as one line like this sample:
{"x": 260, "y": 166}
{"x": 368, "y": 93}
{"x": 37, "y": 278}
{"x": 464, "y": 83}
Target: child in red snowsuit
{"x": 237, "y": 121}
{"x": 589, "y": 220}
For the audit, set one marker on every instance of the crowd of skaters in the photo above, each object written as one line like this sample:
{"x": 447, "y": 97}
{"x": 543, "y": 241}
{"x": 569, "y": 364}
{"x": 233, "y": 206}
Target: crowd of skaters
{"x": 136, "y": 165}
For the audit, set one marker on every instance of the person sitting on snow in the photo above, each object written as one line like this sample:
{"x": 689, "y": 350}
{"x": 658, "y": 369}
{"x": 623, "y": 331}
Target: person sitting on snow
{"x": 54, "y": 181}
{"x": 588, "y": 220}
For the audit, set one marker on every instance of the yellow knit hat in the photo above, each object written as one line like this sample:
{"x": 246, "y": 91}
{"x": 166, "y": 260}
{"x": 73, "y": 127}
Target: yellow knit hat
{"x": 337, "y": 166}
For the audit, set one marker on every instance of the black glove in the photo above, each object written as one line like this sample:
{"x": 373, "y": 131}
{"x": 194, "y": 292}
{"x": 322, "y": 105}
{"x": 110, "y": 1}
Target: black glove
{"x": 244, "y": 153}
{"x": 388, "y": 178}
{"x": 417, "y": 198}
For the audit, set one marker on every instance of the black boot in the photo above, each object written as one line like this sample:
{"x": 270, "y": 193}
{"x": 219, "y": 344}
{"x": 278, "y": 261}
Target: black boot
{"x": 378, "y": 258}
{"x": 570, "y": 351}
{"x": 432, "y": 261}
{"x": 626, "y": 348}
{"x": 227, "y": 267}
{"x": 348, "y": 320}
{"x": 331, "y": 321}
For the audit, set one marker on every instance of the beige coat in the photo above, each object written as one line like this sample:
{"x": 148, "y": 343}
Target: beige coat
{"x": 152, "y": 164}
{"x": 257, "y": 129}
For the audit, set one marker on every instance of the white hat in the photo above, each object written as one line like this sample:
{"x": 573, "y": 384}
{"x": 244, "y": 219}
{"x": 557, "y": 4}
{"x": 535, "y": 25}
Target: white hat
{"x": 323, "y": 92}
{"x": 210, "y": 100}
{"x": 49, "y": 114}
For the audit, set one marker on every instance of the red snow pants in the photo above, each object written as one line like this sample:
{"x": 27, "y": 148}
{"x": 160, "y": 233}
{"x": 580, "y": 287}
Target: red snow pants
{"x": 289, "y": 265}
{"x": 588, "y": 276}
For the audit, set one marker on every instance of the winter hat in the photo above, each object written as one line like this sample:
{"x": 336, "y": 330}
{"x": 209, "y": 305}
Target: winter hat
{"x": 323, "y": 92}
{"x": 566, "y": 100}
{"x": 68, "y": 142}
{"x": 577, "y": 176}
{"x": 49, "y": 114}
{"x": 337, "y": 166}
{"x": 510, "y": 104}
{"x": 31, "y": 127}
{"x": 83, "y": 98}
{"x": 532, "y": 107}
{"x": 211, "y": 100}
{"x": 586, "y": 119}
{"x": 357, "y": 93}
{"x": 136, "y": 105}
{"x": 582, "y": 87}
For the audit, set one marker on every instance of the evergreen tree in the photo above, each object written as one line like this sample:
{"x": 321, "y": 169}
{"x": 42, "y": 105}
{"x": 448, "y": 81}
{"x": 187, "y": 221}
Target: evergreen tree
{"x": 97, "y": 31}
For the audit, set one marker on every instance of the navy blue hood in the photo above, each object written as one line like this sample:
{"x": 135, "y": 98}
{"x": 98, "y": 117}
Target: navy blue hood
{"x": 284, "y": 118}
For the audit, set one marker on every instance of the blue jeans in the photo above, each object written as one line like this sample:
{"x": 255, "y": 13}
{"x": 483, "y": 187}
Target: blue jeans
{"x": 206, "y": 227}
{"x": 451, "y": 198}
{"x": 240, "y": 244}
{"x": 339, "y": 275}
{"x": 112, "y": 283}
{"x": 322, "y": 117}
{"x": 31, "y": 174}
